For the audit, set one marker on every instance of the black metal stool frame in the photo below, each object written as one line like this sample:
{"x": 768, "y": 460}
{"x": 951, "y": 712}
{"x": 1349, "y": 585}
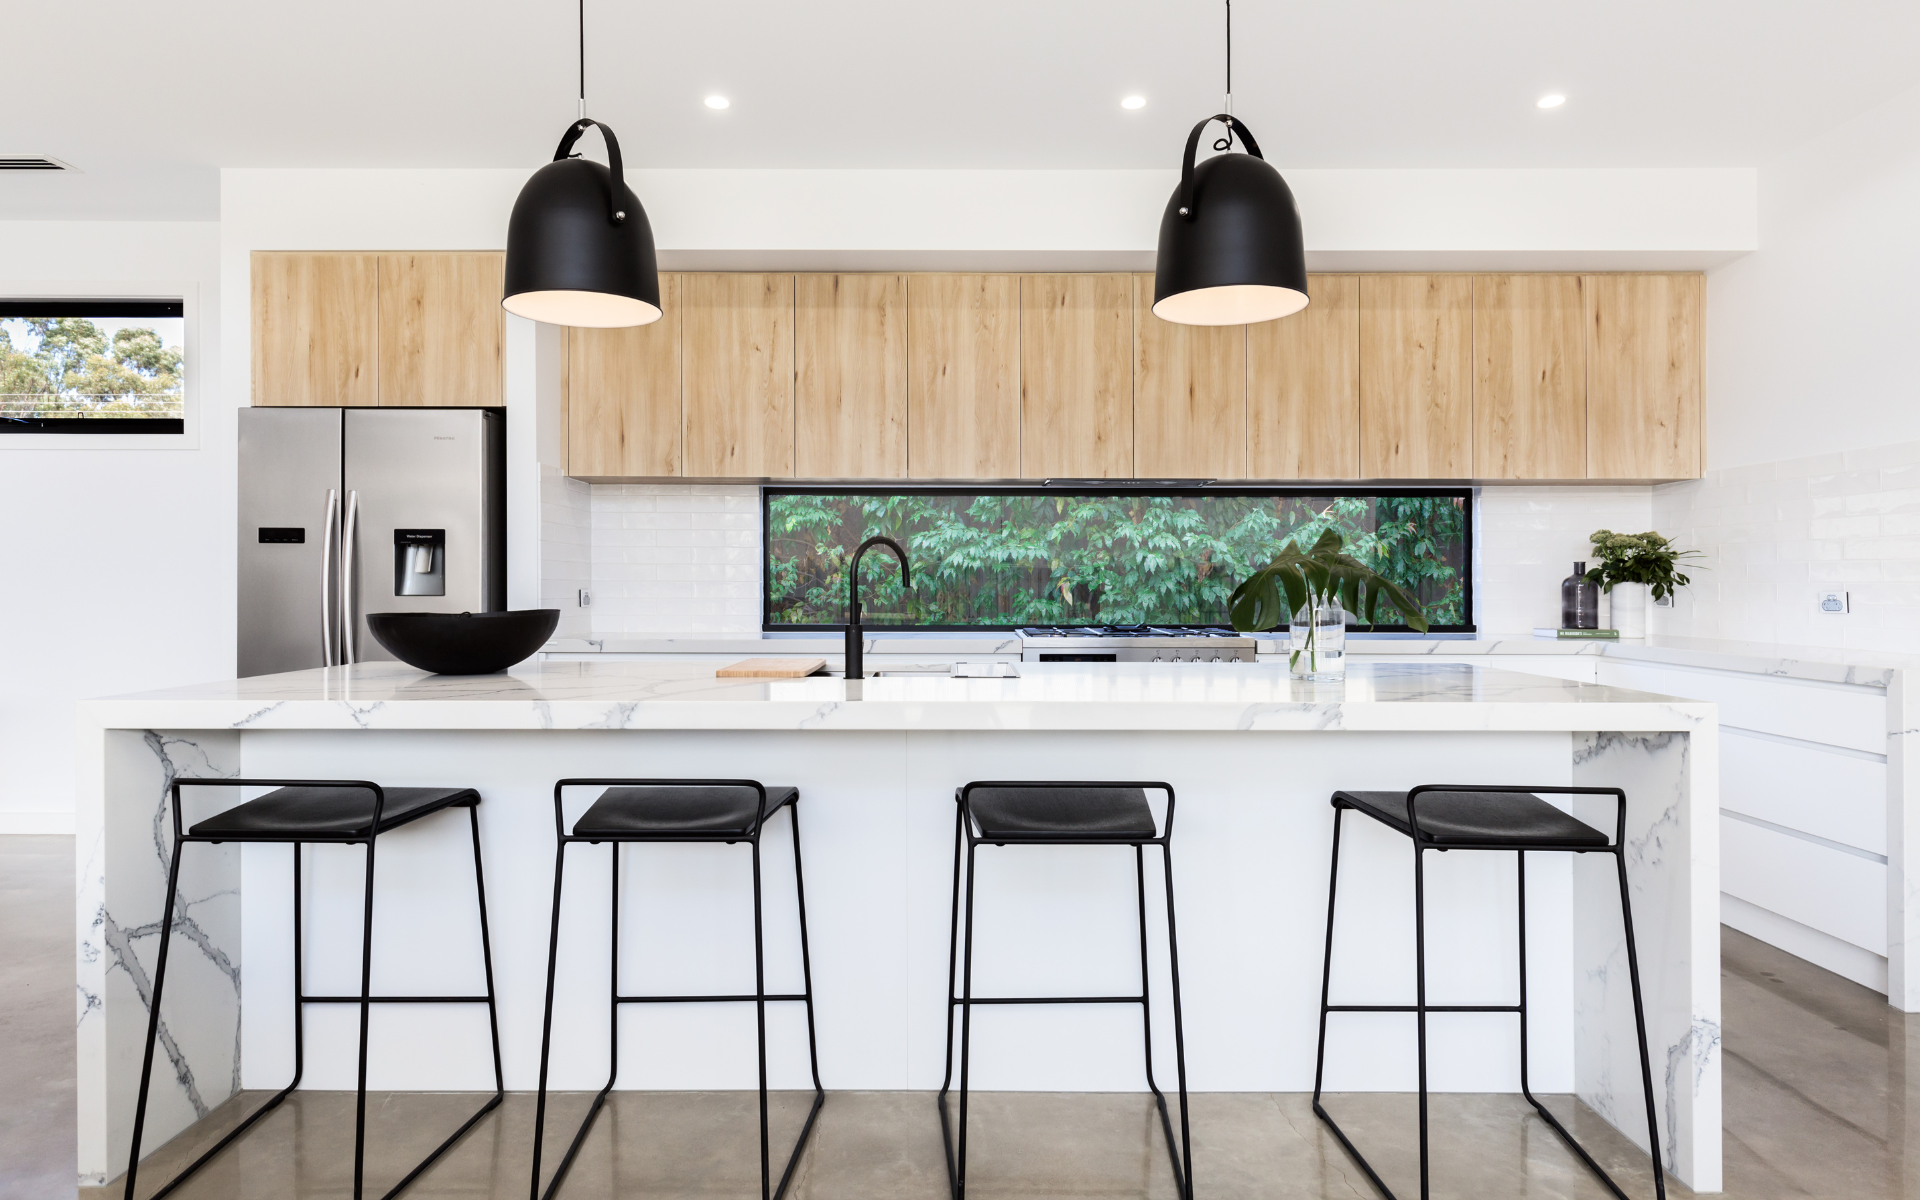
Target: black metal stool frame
{"x": 759, "y": 996}
{"x": 1421, "y": 844}
{"x": 1180, "y": 1157}
{"x": 300, "y": 999}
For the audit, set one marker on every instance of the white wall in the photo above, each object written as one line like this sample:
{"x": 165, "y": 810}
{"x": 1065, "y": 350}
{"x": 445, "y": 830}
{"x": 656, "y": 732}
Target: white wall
{"x": 1527, "y": 540}
{"x": 1810, "y": 340}
{"x": 1812, "y": 432}
{"x": 796, "y": 220}
{"x": 119, "y": 563}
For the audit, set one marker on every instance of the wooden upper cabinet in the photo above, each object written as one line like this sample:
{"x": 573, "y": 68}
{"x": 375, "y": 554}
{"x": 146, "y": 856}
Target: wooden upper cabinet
{"x": 1303, "y": 387}
{"x": 850, "y": 386}
{"x": 1189, "y": 395}
{"x": 623, "y": 396}
{"x": 1416, "y": 376}
{"x": 1530, "y": 377}
{"x": 315, "y": 329}
{"x": 736, "y": 387}
{"x": 441, "y": 328}
{"x": 1076, "y": 392}
{"x": 963, "y": 376}
{"x": 1643, "y": 376}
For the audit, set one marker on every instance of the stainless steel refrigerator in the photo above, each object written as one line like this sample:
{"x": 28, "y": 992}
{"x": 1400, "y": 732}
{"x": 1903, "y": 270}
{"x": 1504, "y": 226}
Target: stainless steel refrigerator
{"x": 347, "y": 511}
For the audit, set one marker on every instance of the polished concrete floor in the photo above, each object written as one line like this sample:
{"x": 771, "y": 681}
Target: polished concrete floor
{"x": 1822, "y": 1100}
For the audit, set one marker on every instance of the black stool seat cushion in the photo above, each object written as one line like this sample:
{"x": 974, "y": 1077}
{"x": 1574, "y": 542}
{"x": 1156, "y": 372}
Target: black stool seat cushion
{"x": 1517, "y": 819}
{"x": 628, "y": 812}
{"x": 1077, "y": 814}
{"x": 290, "y": 812}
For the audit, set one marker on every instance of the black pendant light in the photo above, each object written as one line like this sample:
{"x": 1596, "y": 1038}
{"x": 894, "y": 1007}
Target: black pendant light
{"x": 579, "y": 249}
{"x": 1231, "y": 252}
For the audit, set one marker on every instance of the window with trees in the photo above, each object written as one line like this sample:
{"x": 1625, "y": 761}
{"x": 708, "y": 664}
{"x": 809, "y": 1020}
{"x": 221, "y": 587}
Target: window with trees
{"x": 999, "y": 558}
{"x": 92, "y": 366}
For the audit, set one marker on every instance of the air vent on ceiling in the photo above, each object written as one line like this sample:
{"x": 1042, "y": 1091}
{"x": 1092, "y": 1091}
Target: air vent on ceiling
{"x": 33, "y": 164}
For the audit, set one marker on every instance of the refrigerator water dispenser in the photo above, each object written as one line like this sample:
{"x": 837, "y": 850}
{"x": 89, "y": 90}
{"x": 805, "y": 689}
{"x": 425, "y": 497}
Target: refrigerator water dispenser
{"x": 419, "y": 562}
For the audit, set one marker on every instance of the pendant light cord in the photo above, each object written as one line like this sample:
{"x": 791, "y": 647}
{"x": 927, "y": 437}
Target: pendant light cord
{"x": 1226, "y": 142}
{"x": 583, "y": 62}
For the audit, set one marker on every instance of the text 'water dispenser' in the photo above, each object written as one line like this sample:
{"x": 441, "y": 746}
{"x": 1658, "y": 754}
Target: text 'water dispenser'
{"x": 419, "y": 562}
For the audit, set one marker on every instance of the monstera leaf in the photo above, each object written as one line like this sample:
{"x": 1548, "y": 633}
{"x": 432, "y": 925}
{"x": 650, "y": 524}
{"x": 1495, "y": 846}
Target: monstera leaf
{"x": 1270, "y": 596}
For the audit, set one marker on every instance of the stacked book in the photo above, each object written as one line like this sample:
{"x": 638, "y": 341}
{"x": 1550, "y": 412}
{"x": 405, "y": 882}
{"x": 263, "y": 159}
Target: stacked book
{"x": 1605, "y": 634}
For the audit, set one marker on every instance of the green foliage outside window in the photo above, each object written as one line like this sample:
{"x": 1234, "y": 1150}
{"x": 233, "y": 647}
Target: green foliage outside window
{"x": 78, "y": 370}
{"x": 1058, "y": 559}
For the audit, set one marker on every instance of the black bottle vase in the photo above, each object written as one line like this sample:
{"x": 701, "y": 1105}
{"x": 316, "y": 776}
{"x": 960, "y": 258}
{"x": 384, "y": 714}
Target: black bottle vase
{"x": 1579, "y": 600}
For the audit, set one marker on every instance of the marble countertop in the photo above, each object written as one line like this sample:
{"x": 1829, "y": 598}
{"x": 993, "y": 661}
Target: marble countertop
{"x": 1826, "y": 664}
{"x": 1049, "y": 696}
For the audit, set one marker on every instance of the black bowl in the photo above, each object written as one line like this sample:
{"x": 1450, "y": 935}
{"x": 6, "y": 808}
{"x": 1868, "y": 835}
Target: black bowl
{"x": 463, "y": 643}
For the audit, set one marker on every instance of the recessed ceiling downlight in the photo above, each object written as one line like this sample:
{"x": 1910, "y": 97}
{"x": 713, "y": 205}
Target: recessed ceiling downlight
{"x": 1552, "y": 100}
{"x": 1132, "y": 102}
{"x": 719, "y": 102}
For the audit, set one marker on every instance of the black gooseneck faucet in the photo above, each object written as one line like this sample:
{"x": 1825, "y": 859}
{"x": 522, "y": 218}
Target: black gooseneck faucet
{"x": 856, "y": 668}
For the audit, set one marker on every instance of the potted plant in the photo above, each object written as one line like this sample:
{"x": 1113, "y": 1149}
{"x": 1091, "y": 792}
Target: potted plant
{"x": 1313, "y": 590}
{"x": 1635, "y": 570}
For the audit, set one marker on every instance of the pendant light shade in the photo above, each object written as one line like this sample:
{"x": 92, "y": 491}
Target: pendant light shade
{"x": 1231, "y": 252}
{"x": 579, "y": 248}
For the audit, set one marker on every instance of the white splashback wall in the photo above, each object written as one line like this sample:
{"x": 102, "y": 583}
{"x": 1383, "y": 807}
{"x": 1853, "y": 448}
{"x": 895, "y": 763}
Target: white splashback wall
{"x": 675, "y": 558}
{"x": 1527, "y": 540}
{"x": 1774, "y": 535}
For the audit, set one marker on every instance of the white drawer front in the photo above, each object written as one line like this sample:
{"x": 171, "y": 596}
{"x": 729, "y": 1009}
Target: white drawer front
{"x": 1835, "y": 716}
{"x": 1830, "y": 890}
{"x": 1834, "y": 796}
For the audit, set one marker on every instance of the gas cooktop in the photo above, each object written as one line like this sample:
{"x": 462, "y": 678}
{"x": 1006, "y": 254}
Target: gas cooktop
{"x": 1134, "y": 643}
{"x": 1129, "y": 631}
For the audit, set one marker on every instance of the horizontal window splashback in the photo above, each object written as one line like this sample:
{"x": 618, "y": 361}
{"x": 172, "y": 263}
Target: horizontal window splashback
{"x": 685, "y": 557}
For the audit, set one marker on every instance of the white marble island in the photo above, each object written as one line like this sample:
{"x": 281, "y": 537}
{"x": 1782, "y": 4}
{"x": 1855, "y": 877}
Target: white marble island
{"x": 1253, "y": 756}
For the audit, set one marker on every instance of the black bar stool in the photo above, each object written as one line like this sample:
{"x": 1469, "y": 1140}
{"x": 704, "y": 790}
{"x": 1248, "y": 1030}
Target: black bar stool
{"x": 679, "y": 810}
{"x": 1459, "y": 817}
{"x": 1061, "y": 814}
{"x": 341, "y": 812}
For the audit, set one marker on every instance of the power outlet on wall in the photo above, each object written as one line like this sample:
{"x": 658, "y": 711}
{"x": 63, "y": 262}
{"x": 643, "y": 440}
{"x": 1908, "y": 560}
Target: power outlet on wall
{"x": 1837, "y": 603}
{"x": 586, "y": 598}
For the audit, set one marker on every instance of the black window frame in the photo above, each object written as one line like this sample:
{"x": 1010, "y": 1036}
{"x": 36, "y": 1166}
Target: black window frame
{"x": 1088, "y": 487}
{"x": 12, "y": 308}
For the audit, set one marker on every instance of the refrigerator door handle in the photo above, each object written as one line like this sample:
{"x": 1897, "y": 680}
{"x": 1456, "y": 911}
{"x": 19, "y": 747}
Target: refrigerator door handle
{"x": 328, "y": 536}
{"x": 346, "y": 579}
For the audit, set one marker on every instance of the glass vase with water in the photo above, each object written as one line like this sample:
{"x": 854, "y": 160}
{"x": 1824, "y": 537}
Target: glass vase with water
{"x": 1319, "y": 631}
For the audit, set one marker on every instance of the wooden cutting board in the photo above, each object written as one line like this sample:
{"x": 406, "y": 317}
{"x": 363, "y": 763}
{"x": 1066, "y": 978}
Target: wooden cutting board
{"x": 771, "y": 668}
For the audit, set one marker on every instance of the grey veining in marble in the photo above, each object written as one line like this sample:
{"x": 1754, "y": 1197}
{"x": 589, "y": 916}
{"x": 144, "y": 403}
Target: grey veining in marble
{"x": 122, "y": 863}
{"x": 1862, "y": 668}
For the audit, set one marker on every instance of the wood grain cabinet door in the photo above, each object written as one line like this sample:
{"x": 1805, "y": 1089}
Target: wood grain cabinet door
{"x": 850, "y": 386}
{"x": 737, "y": 383}
{"x": 1643, "y": 376}
{"x": 963, "y": 376}
{"x": 315, "y": 329}
{"x": 1189, "y": 395}
{"x": 1303, "y": 387}
{"x": 1530, "y": 377}
{"x": 441, "y": 329}
{"x": 1076, "y": 391}
{"x": 1416, "y": 376}
{"x": 623, "y": 396}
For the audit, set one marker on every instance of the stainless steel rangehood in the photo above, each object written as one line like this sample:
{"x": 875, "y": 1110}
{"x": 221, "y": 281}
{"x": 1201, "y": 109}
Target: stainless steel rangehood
{"x": 349, "y": 511}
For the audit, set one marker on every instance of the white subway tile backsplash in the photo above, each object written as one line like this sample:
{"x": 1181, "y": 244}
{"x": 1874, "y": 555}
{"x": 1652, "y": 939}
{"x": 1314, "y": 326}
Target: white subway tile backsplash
{"x": 1848, "y": 521}
{"x": 675, "y": 557}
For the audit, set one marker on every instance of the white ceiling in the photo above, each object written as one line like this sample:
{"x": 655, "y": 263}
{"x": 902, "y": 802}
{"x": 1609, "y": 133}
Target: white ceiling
{"x": 150, "y": 99}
